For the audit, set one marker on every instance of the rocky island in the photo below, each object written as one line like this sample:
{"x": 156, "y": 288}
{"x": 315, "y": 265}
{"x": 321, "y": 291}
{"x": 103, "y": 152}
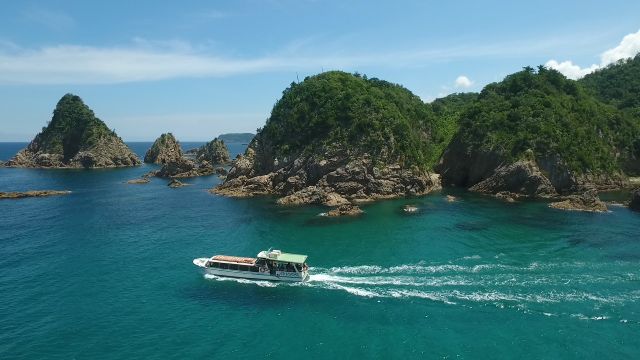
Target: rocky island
{"x": 75, "y": 138}
{"x": 337, "y": 139}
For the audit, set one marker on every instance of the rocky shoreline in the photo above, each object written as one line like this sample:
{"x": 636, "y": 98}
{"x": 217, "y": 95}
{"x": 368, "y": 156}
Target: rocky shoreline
{"x": 333, "y": 179}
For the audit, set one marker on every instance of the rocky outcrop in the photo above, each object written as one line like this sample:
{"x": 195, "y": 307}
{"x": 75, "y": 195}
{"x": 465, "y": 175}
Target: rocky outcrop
{"x": 184, "y": 168}
{"x": 75, "y": 138}
{"x": 522, "y": 177}
{"x": 332, "y": 177}
{"x": 31, "y": 193}
{"x": 587, "y": 201}
{"x": 215, "y": 152}
{"x": 164, "y": 150}
{"x": 345, "y": 210}
{"x": 634, "y": 204}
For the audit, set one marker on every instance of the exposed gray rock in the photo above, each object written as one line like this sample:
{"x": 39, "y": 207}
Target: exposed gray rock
{"x": 522, "y": 177}
{"x": 215, "y": 152}
{"x": 345, "y": 210}
{"x": 332, "y": 177}
{"x": 31, "y": 193}
{"x": 164, "y": 150}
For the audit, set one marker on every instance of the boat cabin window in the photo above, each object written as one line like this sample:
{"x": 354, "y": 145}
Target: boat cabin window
{"x": 214, "y": 264}
{"x": 224, "y": 266}
{"x": 243, "y": 267}
{"x": 254, "y": 269}
{"x": 233, "y": 266}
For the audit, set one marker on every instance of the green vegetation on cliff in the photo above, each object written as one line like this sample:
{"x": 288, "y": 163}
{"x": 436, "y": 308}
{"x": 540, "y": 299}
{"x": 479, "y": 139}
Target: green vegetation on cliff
{"x": 618, "y": 84}
{"x": 357, "y": 113}
{"x": 73, "y": 127}
{"x": 551, "y": 115}
{"x": 448, "y": 111}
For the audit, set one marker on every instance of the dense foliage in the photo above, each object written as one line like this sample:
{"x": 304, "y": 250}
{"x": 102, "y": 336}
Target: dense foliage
{"x": 551, "y": 115}
{"x": 367, "y": 115}
{"x": 73, "y": 127}
{"x": 448, "y": 111}
{"x": 618, "y": 84}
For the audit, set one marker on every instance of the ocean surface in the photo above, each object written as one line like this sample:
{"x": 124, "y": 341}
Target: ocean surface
{"x": 106, "y": 273}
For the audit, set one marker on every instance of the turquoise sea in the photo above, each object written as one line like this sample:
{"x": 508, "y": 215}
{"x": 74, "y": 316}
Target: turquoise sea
{"x": 106, "y": 273}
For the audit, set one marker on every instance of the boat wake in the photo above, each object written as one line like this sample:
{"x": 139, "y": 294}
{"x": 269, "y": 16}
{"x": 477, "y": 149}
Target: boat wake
{"x": 504, "y": 285}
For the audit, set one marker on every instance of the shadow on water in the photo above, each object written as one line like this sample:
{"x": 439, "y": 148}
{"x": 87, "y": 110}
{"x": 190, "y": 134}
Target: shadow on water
{"x": 473, "y": 225}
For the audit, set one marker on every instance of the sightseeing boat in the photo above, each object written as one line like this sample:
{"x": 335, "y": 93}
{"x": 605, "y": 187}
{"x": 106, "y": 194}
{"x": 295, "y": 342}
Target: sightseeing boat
{"x": 267, "y": 265}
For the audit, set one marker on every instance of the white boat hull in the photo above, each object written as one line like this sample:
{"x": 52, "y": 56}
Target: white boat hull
{"x": 279, "y": 275}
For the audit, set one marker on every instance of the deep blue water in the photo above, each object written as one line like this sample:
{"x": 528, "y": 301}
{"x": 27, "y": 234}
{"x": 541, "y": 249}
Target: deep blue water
{"x": 106, "y": 273}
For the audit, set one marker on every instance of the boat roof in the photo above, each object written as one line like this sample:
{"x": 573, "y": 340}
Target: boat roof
{"x": 282, "y": 257}
{"x": 234, "y": 259}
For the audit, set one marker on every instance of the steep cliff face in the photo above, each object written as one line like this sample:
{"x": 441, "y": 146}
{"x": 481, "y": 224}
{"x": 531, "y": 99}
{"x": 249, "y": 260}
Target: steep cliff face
{"x": 75, "y": 138}
{"x": 337, "y": 138}
{"x": 539, "y": 134}
{"x": 164, "y": 149}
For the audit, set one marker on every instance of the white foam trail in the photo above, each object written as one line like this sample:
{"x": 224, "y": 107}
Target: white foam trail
{"x": 261, "y": 283}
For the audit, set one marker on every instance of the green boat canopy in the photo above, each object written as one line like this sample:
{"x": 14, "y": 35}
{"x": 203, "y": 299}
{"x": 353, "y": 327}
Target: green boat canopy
{"x": 283, "y": 257}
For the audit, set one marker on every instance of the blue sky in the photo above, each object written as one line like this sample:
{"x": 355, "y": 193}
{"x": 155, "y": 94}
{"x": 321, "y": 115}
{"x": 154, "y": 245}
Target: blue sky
{"x": 201, "y": 68}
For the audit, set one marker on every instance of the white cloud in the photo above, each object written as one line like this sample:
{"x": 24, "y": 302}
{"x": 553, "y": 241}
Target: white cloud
{"x": 571, "y": 70}
{"x": 628, "y": 47}
{"x": 463, "y": 82}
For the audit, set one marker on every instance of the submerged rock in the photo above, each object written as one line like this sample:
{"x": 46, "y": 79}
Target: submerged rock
{"x": 451, "y": 198}
{"x": 75, "y": 138}
{"x": 588, "y": 201}
{"x": 138, "y": 181}
{"x": 175, "y": 183}
{"x": 31, "y": 193}
{"x": 164, "y": 150}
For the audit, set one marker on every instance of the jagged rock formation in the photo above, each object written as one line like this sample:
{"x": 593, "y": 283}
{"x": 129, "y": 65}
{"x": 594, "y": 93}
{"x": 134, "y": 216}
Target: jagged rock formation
{"x": 587, "y": 201}
{"x": 331, "y": 178}
{"x": 183, "y": 168}
{"x": 75, "y": 138}
{"x": 164, "y": 150}
{"x": 214, "y": 152}
{"x": 31, "y": 193}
